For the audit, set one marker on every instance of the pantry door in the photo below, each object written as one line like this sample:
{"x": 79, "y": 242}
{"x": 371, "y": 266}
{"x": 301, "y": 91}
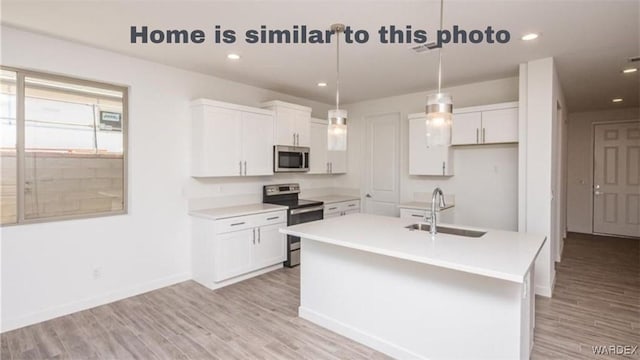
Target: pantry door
{"x": 616, "y": 179}
{"x": 382, "y": 164}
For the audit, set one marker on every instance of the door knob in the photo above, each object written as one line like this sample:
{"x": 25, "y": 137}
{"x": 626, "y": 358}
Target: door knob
{"x": 368, "y": 195}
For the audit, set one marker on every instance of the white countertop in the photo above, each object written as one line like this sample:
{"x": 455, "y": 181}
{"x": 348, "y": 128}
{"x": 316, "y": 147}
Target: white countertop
{"x": 331, "y": 199}
{"x": 498, "y": 254}
{"x": 417, "y": 205}
{"x": 232, "y": 211}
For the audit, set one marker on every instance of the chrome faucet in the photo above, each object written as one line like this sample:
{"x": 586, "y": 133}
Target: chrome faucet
{"x": 436, "y": 198}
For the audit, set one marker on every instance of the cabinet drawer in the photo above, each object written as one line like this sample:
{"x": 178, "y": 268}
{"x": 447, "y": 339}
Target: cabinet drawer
{"x": 413, "y": 214}
{"x": 275, "y": 217}
{"x": 351, "y": 205}
{"x": 235, "y": 223}
{"x": 332, "y": 208}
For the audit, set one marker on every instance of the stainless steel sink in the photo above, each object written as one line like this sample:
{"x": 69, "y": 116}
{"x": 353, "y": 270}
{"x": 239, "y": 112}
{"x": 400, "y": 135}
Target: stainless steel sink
{"x": 448, "y": 230}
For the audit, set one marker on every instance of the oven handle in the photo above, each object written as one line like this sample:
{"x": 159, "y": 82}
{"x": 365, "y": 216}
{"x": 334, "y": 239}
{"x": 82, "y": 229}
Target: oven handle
{"x": 306, "y": 210}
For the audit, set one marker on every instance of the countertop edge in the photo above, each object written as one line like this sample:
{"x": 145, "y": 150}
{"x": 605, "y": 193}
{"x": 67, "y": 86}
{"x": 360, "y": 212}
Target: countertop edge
{"x": 422, "y": 260}
{"x": 199, "y": 214}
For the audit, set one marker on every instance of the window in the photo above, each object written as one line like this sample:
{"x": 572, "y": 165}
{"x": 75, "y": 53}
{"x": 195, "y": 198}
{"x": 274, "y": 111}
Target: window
{"x": 63, "y": 147}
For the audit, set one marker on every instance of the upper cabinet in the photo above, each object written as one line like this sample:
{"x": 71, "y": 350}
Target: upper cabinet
{"x": 423, "y": 160}
{"x": 489, "y": 124}
{"x": 293, "y": 123}
{"x": 321, "y": 160}
{"x": 230, "y": 140}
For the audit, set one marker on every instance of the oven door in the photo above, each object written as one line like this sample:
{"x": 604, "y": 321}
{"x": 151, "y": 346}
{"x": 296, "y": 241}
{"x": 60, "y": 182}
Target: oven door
{"x": 300, "y": 216}
{"x": 290, "y": 158}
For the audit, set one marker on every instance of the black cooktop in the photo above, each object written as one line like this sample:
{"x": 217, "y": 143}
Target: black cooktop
{"x": 294, "y": 203}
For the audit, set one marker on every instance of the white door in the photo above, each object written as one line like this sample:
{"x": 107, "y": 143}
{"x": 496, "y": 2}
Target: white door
{"x": 233, "y": 254}
{"x": 302, "y": 122}
{"x": 257, "y": 143}
{"x": 337, "y": 161}
{"x": 318, "y": 163}
{"x": 616, "y": 179}
{"x": 270, "y": 247}
{"x": 382, "y": 164}
{"x": 500, "y": 126}
{"x": 222, "y": 129}
{"x": 465, "y": 128}
{"x": 285, "y": 132}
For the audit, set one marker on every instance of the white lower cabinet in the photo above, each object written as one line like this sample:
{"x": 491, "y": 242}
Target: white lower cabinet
{"x": 341, "y": 208}
{"x": 228, "y": 250}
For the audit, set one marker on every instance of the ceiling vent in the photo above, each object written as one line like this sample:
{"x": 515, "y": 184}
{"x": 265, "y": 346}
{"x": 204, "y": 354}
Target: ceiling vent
{"x": 634, "y": 59}
{"x": 424, "y": 47}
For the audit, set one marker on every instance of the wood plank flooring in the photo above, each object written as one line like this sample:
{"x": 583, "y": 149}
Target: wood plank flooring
{"x": 596, "y": 302}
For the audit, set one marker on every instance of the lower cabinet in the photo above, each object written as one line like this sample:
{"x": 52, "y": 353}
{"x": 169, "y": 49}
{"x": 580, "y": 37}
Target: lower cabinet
{"x": 341, "y": 208}
{"x": 232, "y": 249}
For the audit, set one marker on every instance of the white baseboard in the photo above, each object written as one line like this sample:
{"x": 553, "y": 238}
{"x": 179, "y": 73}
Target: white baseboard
{"x": 9, "y": 323}
{"x": 543, "y": 291}
{"x": 357, "y": 335}
{"x": 218, "y": 285}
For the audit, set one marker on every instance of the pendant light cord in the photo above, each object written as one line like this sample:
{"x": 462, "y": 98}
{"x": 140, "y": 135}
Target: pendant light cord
{"x": 338, "y": 69}
{"x": 440, "y": 49}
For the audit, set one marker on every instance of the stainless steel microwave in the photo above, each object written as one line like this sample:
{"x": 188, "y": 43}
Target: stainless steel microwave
{"x": 290, "y": 158}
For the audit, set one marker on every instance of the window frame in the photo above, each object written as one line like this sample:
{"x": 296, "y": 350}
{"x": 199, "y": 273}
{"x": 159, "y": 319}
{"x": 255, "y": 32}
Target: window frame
{"x": 20, "y": 144}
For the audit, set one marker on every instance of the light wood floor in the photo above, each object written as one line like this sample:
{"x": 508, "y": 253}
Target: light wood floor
{"x": 596, "y": 302}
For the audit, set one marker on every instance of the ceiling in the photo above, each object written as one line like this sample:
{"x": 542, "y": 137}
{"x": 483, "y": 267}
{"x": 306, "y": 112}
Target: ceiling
{"x": 590, "y": 40}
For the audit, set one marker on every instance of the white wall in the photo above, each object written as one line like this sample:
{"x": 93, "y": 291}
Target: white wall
{"x": 485, "y": 180}
{"x": 540, "y": 95}
{"x": 580, "y": 164}
{"x": 47, "y": 268}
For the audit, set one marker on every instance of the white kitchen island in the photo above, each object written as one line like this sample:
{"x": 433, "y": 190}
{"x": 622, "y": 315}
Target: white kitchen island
{"x": 409, "y": 295}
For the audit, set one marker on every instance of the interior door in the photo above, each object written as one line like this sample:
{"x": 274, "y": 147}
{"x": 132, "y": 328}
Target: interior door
{"x": 257, "y": 143}
{"x": 616, "y": 179}
{"x": 383, "y": 164}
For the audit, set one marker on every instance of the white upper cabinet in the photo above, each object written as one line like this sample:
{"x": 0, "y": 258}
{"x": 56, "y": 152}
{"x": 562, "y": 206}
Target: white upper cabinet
{"x": 321, "y": 160}
{"x": 293, "y": 123}
{"x": 423, "y": 160}
{"x": 230, "y": 140}
{"x": 489, "y": 124}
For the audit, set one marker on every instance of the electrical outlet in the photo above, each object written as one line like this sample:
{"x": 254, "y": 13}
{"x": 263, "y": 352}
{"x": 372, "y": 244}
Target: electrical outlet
{"x": 97, "y": 273}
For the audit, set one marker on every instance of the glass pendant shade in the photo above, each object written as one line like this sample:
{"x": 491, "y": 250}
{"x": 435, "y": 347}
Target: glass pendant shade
{"x": 337, "y": 130}
{"x": 439, "y": 119}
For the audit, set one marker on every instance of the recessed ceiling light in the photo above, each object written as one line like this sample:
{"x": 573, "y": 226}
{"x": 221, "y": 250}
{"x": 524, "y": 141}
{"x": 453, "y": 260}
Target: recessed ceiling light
{"x": 322, "y": 84}
{"x": 529, "y": 36}
{"x": 629, "y": 70}
{"x": 616, "y": 100}
{"x": 233, "y": 56}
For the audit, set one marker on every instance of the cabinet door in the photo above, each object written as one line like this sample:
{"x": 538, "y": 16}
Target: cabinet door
{"x": 338, "y": 162}
{"x": 422, "y": 159}
{"x": 233, "y": 254}
{"x": 466, "y": 128}
{"x": 270, "y": 247}
{"x": 217, "y": 142}
{"x": 285, "y": 130}
{"x": 257, "y": 143}
{"x": 500, "y": 126}
{"x": 318, "y": 156}
{"x": 302, "y": 125}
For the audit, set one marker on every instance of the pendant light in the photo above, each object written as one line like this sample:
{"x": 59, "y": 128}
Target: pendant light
{"x": 439, "y": 107}
{"x": 337, "y": 130}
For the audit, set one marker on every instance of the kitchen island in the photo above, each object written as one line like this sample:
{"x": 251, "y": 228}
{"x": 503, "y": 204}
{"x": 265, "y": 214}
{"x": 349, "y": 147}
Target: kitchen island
{"x": 411, "y": 295}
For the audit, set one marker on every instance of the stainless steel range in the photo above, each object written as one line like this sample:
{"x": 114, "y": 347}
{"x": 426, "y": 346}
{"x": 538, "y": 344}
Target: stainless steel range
{"x": 300, "y": 211}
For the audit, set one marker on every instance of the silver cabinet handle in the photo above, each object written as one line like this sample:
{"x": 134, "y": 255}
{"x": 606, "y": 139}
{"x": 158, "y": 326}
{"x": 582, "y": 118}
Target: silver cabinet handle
{"x": 352, "y": 205}
{"x": 273, "y": 218}
{"x": 332, "y": 208}
{"x": 240, "y": 165}
{"x": 477, "y": 136}
{"x": 484, "y": 137}
{"x": 417, "y": 215}
{"x": 443, "y": 167}
{"x": 254, "y": 236}
{"x": 327, "y": 168}
{"x": 294, "y": 139}
{"x": 331, "y": 168}
{"x": 238, "y": 223}
{"x": 245, "y": 168}
{"x": 259, "y": 235}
